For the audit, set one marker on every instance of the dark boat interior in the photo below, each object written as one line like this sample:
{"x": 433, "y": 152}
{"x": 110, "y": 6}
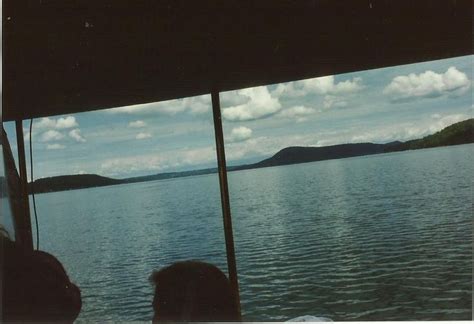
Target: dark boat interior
{"x": 62, "y": 57}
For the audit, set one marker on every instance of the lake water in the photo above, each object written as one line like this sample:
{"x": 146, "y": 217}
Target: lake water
{"x": 383, "y": 237}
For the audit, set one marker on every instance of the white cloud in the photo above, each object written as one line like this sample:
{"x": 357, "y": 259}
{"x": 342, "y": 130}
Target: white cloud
{"x": 445, "y": 121}
{"x": 142, "y": 136}
{"x": 201, "y": 105}
{"x": 240, "y": 134}
{"x": 298, "y": 112}
{"x": 195, "y": 156}
{"x": 55, "y": 146}
{"x": 327, "y": 85}
{"x": 260, "y": 104}
{"x": 76, "y": 134}
{"x": 428, "y": 84}
{"x": 334, "y": 101}
{"x": 126, "y": 165}
{"x": 265, "y": 146}
{"x": 51, "y": 135}
{"x": 67, "y": 122}
{"x": 137, "y": 124}
{"x": 60, "y": 123}
{"x": 388, "y": 133}
{"x": 26, "y": 134}
{"x": 45, "y": 122}
{"x": 232, "y": 98}
{"x": 50, "y": 129}
{"x": 322, "y": 86}
{"x": 406, "y": 131}
{"x": 154, "y": 163}
{"x": 195, "y": 105}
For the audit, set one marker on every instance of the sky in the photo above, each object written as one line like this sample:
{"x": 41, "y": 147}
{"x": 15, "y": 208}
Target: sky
{"x": 379, "y": 106}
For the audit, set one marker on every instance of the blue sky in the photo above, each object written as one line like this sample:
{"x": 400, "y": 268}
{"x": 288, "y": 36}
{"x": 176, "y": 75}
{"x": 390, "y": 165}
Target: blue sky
{"x": 382, "y": 105}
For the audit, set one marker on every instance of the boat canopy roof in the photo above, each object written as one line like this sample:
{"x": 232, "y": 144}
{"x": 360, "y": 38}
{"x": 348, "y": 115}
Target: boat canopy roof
{"x": 62, "y": 57}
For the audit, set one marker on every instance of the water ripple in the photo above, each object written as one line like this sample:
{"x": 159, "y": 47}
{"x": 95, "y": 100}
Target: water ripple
{"x": 386, "y": 237}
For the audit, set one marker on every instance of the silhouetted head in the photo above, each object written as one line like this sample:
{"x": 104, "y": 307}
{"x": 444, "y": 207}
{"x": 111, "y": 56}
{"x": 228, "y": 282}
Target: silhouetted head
{"x": 36, "y": 287}
{"x": 193, "y": 291}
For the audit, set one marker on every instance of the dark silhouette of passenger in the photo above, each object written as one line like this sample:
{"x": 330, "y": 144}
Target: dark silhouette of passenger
{"x": 193, "y": 291}
{"x": 35, "y": 287}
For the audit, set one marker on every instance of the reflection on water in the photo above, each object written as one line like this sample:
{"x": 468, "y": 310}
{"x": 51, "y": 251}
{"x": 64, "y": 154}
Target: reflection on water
{"x": 378, "y": 237}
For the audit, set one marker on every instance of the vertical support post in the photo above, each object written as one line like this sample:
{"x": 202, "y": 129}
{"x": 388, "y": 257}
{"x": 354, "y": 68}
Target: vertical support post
{"x": 24, "y": 223}
{"x": 224, "y": 189}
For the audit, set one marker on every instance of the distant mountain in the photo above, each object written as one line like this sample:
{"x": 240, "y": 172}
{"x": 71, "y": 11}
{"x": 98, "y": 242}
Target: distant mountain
{"x": 459, "y": 133}
{"x": 298, "y": 154}
{"x": 169, "y": 175}
{"x": 69, "y": 182}
{"x": 79, "y": 181}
